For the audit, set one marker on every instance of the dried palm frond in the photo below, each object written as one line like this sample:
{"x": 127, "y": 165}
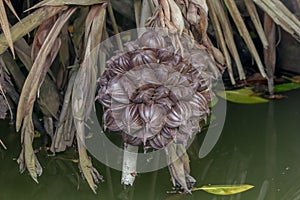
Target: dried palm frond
{"x": 28, "y": 24}
{"x": 281, "y": 16}
{"x": 39, "y": 69}
{"x": 27, "y": 159}
{"x": 32, "y": 84}
{"x": 5, "y": 24}
{"x": 84, "y": 87}
{"x": 65, "y": 130}
{"x": 256, "y": 22}
{"x": 46, "y": 46}
{"x": 239, "y": 22}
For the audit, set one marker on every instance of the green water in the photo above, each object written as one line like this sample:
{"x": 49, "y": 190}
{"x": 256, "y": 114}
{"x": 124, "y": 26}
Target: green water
{"x": 259, "y": 145}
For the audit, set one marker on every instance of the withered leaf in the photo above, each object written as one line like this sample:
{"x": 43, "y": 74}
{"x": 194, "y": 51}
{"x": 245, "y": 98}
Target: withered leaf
{"x": 38, "y": 70}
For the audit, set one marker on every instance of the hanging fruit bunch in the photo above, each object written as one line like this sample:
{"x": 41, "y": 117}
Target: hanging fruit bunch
{"x": 154, "y": 95}
{"x": 157, "y": 90}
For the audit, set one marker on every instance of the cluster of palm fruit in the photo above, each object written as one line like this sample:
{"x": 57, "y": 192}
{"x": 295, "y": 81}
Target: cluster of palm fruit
{"x": 158, "y": 89}
{"x": 154, "y": 95}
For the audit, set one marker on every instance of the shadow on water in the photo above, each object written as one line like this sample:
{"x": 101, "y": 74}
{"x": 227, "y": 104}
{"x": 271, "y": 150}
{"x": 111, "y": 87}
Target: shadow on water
{"x": 259, "y": 145}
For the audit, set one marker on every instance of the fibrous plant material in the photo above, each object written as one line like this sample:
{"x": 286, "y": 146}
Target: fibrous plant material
{"x": 221, "y": 41}
{"x": 190, "y": 18}
{"x": 228, "y": 35}
{"x": 27, "y": 159}
{"x": 256, "y": 22}
{"x": 5, "y": 27}
{"x": 239, "y": 22}
{"x": 5, "y": 24}
{"x": 281, "y": 16}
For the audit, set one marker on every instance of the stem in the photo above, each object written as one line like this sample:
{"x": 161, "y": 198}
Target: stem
{"x": 270, "y": 53}
{"x": 129, "y": 164}
{"x": 3, "y": 144}
{"x": 115, "y": 26}
{"x": 256, "y": 22}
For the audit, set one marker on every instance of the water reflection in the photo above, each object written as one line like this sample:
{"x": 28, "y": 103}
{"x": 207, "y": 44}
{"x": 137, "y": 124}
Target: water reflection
{"x": 259, "y": 145}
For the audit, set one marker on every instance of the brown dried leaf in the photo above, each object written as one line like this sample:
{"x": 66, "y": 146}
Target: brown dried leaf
{"x": 85, "y": 163}
{"x": 177, "y": 166}
{"x": 67, "y": 2}
{"x": 38, "y": 71}
{"x": 240, "y": 24}
{"x": 221, "y": 41}
{"x": 166, "y": 9}
{"x": 192, "y": 14}
{"x": 201, "y": 4}
{"x": 219, "y": 9}
{"x": 176, "y": 16}
{"x": 49, "y": 98}
{"x": 29, "y": 23}
{"x": 41, "y": 35}
{"x": 5, "y": 27}
{"x": 27, "y": 157}
{"x": 84, "y": 87}
{"x": 58, "y": 143}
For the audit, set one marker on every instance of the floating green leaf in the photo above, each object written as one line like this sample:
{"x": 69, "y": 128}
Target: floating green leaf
{"x": 243, "y": 96}
{"x": 224, "y": 189}
{"x": 286, "y": 87}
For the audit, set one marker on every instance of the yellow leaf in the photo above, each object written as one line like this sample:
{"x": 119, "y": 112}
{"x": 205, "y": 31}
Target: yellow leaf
{"x": 224, "y": 189}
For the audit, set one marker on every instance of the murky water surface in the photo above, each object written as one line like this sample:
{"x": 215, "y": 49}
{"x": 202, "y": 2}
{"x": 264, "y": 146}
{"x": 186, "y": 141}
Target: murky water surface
{"x": 259, "y": 145}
